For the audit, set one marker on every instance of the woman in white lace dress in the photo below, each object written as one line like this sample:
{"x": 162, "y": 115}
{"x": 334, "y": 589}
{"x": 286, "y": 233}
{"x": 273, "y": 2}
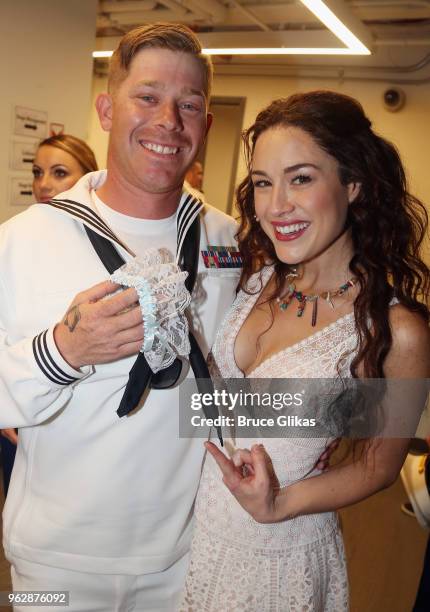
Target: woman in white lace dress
{"x": 329, "y": 237}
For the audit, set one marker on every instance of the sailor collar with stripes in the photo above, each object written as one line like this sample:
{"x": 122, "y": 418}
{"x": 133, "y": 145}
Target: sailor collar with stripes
{"x": 78, "y": 203}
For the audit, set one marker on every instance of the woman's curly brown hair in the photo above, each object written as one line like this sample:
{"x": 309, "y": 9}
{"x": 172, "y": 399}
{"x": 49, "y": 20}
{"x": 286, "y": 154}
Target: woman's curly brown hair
{"x": 387, "y": 223}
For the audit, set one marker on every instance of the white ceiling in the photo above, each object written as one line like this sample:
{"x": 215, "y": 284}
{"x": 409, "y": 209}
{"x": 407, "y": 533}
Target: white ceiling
{"x": 398, "y": 30}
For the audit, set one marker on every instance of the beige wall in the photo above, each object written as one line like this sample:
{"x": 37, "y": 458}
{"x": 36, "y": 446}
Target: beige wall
{"x": 221, "y": 154}
{"x": 409, "y": 128}
{"x": 46, "y": 65}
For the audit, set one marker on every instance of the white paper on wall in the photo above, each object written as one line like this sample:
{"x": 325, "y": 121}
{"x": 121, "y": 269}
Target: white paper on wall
{"x": 22, "y": 154}
{"x": 20, "y": 190}
{"x": 30, "y": 122}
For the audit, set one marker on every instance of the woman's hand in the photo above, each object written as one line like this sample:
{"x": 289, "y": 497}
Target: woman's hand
{"x": 250, "y": 477}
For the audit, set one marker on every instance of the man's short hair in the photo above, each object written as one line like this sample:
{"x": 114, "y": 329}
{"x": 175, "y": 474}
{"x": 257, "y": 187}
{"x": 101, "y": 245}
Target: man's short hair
{"x": 175, "y": 37}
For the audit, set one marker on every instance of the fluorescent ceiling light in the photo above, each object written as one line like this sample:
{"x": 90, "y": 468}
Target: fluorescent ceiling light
{"x": 102, "y": 53}
{"x": 353, "y": 45}
{"x": 284, "y": 51}
{"x": 333, "y": 23}
{"x": 265, "y": 51}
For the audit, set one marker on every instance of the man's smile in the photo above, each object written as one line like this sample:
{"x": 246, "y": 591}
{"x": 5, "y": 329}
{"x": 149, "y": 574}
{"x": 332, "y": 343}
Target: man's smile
{"x": 161, "y": 149}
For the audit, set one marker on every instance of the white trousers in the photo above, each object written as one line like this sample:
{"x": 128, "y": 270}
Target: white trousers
{"x": 157, "y": 592}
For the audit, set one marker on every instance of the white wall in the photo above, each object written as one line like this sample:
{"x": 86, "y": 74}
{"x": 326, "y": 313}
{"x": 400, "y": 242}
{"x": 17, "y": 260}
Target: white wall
{"x": 45, "y": 46}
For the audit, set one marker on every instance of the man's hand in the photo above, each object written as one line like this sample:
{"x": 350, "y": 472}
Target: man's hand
{"x": 97, "y": 331}
{"x": 10, "y": 434}
{"x": 250, "y": 477}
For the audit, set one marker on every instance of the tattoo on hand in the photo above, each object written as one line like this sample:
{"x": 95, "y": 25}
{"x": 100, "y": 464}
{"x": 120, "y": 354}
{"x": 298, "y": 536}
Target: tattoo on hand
{"x": 72, "y": 318}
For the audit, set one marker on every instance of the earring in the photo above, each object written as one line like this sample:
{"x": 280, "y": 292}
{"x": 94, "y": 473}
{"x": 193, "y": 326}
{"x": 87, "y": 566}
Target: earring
{"x": 256, "y": 219}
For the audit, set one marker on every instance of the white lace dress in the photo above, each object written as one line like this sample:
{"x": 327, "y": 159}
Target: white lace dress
{"x": 297, "y": 565}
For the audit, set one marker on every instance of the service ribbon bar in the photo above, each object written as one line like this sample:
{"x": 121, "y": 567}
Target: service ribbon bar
{"x": 222, "y": 257}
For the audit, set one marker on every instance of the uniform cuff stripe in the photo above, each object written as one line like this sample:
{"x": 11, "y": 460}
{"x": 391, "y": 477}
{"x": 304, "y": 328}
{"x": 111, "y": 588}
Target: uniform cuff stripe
{"x": 47, "y": 364}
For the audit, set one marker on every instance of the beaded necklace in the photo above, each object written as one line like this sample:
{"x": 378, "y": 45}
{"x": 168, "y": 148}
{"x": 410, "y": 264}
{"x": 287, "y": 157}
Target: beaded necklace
{"x": 302, "y": 298}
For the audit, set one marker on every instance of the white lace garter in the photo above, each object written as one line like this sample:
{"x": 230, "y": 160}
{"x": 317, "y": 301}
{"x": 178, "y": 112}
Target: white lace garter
{"x": 163, "y": 299}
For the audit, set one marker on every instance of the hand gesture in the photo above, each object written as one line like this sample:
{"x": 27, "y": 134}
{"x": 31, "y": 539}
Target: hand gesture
{"x": 250, "y": 477}
{"x": 96, "y": 331}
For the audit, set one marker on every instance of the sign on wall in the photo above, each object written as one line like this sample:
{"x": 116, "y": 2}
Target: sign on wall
{"x": 30, "y": 122}
{"x": 20, "y": 190}
{"x": 22, "y": 154}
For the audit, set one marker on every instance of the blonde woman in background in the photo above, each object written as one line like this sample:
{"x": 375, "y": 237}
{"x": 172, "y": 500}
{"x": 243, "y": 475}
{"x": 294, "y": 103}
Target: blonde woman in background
{"x": 60, "y": 161}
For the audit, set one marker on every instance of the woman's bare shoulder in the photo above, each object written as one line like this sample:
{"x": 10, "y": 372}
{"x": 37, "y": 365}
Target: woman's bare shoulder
{"x": 409, "y": 356}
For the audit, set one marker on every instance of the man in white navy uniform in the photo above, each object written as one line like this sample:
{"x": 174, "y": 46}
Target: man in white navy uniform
{"x": 98, "y": 505}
